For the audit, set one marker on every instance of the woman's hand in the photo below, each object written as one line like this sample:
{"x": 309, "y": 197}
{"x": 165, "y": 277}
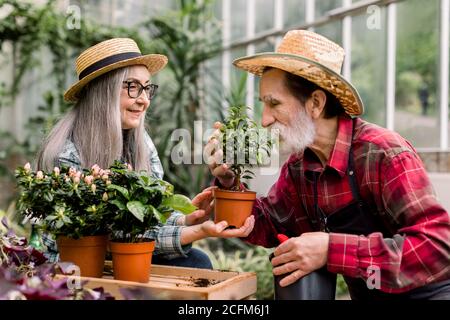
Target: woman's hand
{"x": 204, "y": 202}
{"x": 221, "y": 171}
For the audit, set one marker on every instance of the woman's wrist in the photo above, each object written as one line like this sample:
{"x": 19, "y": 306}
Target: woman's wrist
{"x": 181, "y": 221}
{"x": 193, "y": 233}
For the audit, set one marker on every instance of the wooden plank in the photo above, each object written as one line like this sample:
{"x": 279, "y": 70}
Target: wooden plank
{"x": 167, "y": 282}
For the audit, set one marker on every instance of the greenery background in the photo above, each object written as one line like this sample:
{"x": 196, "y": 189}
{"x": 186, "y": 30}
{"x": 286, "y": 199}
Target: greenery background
{"x": 189, "y": 34}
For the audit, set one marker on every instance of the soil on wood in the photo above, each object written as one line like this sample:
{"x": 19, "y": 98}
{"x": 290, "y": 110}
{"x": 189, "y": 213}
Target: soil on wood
{"x": 199, "y": 282}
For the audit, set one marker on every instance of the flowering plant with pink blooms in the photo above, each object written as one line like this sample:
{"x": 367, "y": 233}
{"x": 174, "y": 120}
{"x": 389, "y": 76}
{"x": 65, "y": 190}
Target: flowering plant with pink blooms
{"x": 65, "y": 201}
{"x": 117, "y": 201}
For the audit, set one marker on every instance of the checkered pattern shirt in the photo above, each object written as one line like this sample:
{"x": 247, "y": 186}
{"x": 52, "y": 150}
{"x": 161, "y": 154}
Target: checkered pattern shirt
{"x": 392, "y": 178}
{"x": 167, "y": 235}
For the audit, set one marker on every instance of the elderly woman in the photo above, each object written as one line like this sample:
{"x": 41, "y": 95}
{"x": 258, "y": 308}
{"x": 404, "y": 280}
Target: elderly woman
{"x": 111, "y": 98}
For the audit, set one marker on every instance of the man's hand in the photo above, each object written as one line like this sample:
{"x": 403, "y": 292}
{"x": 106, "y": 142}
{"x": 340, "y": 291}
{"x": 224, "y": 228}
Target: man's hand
{"x": 212, "y": 229}
{"x": 215, "y": 156}
{"x": 300, "y": 256}
{"x": 204, "y": 202}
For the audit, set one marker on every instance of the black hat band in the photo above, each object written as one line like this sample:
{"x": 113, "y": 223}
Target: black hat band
{"x": 108, "y": 61}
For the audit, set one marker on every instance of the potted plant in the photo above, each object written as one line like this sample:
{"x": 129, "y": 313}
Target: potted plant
{"x": 139, "y": 202}
{"x": 244, "y": 144}
{"x": 71, "y": 205}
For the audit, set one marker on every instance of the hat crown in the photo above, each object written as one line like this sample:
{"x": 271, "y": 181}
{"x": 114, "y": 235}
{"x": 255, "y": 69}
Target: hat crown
{"x": 313, "y": 47}
{"x": 104, "y": 50}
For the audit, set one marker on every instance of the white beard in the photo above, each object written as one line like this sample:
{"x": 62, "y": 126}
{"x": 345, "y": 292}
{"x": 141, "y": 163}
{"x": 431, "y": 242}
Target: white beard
{"x": 299, "y": 134}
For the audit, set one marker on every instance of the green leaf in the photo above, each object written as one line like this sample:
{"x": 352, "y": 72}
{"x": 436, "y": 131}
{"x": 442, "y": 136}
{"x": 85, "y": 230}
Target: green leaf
{"x": 158, "y": 215}
{"x": 66, "y": 220}
{"x": 137, "y": 209}
{"x": 118, "y": 204}
{"x": 51, "y": 217}
{"x": 122, "y": 190}
{"x": 180, "y": 203}
{"x": 48, "y": 196}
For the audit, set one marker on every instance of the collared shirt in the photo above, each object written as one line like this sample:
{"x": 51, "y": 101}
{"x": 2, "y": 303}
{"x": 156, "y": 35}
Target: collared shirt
{"x": 166, "y": 236}
{"x": 392, "y": 178}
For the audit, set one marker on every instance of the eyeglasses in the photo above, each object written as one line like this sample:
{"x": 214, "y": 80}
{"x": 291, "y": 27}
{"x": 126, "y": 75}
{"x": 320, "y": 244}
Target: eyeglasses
{"x": 135, "y": 89}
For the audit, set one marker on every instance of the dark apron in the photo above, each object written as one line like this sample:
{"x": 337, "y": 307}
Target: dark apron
{"x": 362, "y": 218}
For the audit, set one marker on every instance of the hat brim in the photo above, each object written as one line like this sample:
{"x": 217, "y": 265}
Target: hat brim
{"x": 312, "y": 71}
{"x": 153, "y": 63}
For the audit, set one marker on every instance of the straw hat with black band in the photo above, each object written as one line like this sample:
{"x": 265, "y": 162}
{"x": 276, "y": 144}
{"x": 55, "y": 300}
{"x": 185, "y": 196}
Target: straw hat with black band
{"x": 107, "y": 56}
{"x": 313, "y": 57}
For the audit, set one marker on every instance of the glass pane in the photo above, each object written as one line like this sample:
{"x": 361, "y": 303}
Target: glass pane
{"x": 264, "y": 46}
{"x": 323, "y": 6}
{"x": 449, "y": 95}
{"x": 294, "y": 12}
{"x": 332, "y": 31}
{"x": 264, "y": 13}
{"x": 369, "y": 67}
{"x": 213, "y": 88}
{"x": 417, "y": 109}
{"x": 218, "y": 9}
{"x": 98, "y": 11}
{"x": 235, "y": 72}
{"x": 128, "y": 13}
{"x": 238, "y": 19}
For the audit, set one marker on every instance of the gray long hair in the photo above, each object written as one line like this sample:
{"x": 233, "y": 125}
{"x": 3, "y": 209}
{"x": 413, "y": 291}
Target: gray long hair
{"x": 94, "y": 126}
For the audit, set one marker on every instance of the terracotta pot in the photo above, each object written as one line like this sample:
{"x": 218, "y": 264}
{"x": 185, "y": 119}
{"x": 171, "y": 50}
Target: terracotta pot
{"x": 88, "y": 253}
{"x": 233, "y": 206}
{"x": 132, "y": 261}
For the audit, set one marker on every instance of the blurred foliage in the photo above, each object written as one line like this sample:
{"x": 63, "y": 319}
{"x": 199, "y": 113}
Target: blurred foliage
{"x": 417, "y": 51}
{"x": 341, "y": 288}
{"x": 14, "y": 222}
{"x": 189, "y": 36}
{"x": 31, "y": 30}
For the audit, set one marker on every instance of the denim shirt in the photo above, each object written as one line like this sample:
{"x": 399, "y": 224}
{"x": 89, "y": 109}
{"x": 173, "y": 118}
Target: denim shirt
{"x": 166, "y": 236}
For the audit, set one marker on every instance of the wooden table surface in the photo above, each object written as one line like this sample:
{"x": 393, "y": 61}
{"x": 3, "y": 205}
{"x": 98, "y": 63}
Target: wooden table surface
{"x": 167, "y": 282}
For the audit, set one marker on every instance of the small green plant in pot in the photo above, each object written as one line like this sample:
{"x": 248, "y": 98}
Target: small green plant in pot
{"x": 69, "y": 204}
{"x": 138, "y": 202}
{"x": 244, "y": 145}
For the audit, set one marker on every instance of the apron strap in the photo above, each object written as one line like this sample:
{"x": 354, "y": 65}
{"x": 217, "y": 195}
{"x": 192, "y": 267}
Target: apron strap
{"x": 296, "y": 172}
{"x": 351, "y": 170}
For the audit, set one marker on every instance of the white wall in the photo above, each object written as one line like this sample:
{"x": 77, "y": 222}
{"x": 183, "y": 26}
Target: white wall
{"x": 441, "y": 184}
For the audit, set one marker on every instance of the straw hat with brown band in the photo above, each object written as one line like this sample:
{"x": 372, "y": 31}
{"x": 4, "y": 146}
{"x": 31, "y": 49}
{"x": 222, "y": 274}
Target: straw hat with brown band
{"x": 110, "y": 55}
{"x": 313, "y": 57}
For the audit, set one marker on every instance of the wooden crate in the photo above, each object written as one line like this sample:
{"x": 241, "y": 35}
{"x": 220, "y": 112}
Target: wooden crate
{"x": 168, "y": 282}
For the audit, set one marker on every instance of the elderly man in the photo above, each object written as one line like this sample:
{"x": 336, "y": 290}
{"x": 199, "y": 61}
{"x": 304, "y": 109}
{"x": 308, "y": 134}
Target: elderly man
{"x": 353, "y": 197}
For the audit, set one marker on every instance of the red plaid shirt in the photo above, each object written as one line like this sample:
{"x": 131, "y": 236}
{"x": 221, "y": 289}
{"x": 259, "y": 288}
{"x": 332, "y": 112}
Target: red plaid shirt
{"x": 391, "y": 177}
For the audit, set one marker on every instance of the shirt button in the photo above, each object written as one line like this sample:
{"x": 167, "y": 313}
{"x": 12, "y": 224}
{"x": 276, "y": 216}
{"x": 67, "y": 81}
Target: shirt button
{"x": 350, "y": 172}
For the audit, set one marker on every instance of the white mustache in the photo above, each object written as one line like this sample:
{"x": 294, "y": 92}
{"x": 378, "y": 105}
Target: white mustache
{"x": 296, "y": 136}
